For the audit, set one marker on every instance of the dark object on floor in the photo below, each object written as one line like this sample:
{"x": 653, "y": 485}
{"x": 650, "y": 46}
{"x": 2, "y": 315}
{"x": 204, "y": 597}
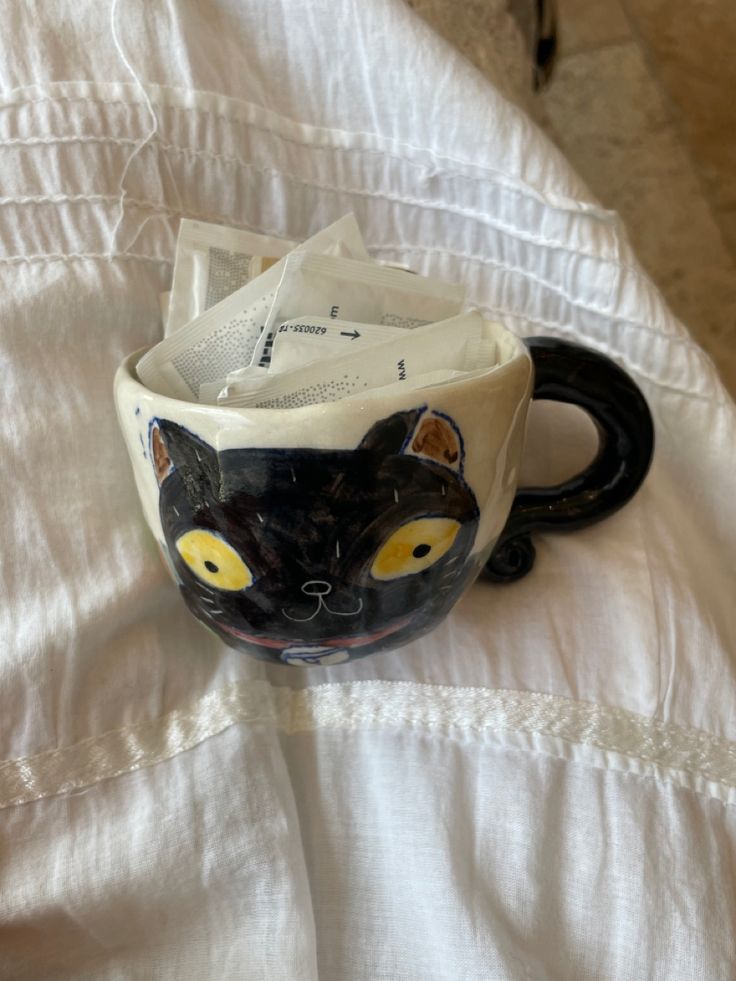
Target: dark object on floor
{"x": 546, "y": 46}
{"x": 537, "y": 20}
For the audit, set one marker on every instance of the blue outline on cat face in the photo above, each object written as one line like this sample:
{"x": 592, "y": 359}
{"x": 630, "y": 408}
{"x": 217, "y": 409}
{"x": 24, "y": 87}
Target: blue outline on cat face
{"x": 308, "y": 523}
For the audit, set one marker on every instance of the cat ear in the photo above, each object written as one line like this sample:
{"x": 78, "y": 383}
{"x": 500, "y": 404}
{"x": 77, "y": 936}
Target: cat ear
{"x": 174, "y": 448}
{"x": 438, "y": 438}
{"x": 162, "y": 465}
{"x": 389, "y": 436}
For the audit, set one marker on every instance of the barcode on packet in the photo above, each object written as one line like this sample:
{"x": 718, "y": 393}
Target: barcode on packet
{"x": 265, "y": 359}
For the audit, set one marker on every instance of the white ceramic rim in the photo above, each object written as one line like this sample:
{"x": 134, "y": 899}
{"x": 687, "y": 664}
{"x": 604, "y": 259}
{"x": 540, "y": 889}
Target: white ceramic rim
{"x": 126, "y": 373}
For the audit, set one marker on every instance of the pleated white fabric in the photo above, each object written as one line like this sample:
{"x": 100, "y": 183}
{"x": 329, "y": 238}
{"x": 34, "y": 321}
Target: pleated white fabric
{"x": 542, "y": 788}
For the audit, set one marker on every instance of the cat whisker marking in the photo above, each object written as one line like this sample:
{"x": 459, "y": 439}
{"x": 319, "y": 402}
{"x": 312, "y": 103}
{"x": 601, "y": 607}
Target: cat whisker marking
{"x": 444, "y": 490}
{"x": 176, "y": 512}
{"x": 337, "y": 549}
{"x": 293, "y": 475}
{"x": 396, "y": 495}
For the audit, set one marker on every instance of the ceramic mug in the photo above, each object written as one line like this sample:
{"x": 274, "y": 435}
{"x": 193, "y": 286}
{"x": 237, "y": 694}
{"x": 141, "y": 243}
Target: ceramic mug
{"x": 325, "y": 533}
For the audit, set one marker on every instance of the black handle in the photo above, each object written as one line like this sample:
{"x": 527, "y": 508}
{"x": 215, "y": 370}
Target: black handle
{"x": 567, "y": 372}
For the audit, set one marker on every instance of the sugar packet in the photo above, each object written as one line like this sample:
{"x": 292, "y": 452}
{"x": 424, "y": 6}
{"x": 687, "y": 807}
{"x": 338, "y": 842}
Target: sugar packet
{"x": 223, "y": 338}
{"x": 212, "y": 262}
{"x": 459, "y": 344}
{"x": 346, "y": 289}
{"x": 300, "y": 341}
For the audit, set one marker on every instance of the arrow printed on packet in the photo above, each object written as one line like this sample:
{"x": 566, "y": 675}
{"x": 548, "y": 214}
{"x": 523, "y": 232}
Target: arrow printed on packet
{"x": 352, "y": 334}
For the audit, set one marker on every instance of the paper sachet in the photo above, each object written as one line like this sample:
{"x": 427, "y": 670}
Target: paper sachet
{"x": 223, "y": 338}
{"x": 458, "y": 344}
{"x": 429, "y": 379}
{"x": 212, "y": 262}
{"x": 363, "y": 292}
{"x": 300, "y": 341}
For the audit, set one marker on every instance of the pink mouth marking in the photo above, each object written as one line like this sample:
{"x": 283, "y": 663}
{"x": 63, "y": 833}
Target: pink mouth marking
{"x": 356, "y": 641}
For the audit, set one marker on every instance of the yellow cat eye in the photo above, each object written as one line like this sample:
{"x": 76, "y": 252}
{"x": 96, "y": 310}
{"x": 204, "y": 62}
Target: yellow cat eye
{"x": 214, "y": 561}
{"x": 414, "y": 547}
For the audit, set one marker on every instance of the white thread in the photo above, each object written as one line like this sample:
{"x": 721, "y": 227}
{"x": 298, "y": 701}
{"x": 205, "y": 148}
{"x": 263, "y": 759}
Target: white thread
{"x": 141, "y": 144}
{"x": 583, "y": 733}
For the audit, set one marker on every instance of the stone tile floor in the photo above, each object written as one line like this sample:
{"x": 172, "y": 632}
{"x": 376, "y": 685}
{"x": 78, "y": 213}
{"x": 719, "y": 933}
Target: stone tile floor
{"x": 643, "y": 104}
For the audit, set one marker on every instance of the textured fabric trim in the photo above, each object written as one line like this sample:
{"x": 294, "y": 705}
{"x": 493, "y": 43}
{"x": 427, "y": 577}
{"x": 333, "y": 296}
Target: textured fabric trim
{"x": 20, "y": 260}
{"x": 505, "y": 253}
{"x": 301, "y": 135}
{"x": 477, "y": 214}
{"x": 580, "y": 732}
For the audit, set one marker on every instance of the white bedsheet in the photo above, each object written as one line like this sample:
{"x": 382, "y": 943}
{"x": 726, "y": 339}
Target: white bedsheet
{"x": 545, "y": 787}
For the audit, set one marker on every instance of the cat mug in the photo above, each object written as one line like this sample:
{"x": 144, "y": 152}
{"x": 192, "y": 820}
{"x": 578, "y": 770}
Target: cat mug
{"x": 322, "y": 534}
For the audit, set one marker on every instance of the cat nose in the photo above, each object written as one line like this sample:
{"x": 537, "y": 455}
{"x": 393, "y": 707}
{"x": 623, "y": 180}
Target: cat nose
{"x": 316, "y": 587}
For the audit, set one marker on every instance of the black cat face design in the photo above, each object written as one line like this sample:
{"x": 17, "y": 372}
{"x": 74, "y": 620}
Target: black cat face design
{"x": 316, "y": 556}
